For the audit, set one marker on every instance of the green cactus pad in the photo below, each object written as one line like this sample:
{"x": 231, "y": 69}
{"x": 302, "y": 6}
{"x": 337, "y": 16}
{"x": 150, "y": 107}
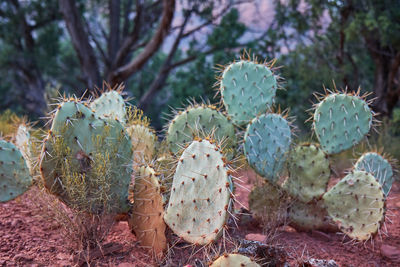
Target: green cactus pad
{"x": 143, "y": 143}
{"x": 379, "y": 167}
{"x": 201, "y": 121}
{"x": 309, "y": 173}
{"x": 14, "y": 173}
{"x": 266, "y": 143}
{"x": 234, "y": 260}
{"x": 86, "y": 160}
{"x": 110, "y": 105}
{"x": 310, "y": 216}
{"x": 200, "y": 194}
{"x": 147, "y": 220}
{"x": 341, "y": 121}
{"x": 248, "y": 89}
{"x": 269, "y": 204}
{"x": 357, "y": 205}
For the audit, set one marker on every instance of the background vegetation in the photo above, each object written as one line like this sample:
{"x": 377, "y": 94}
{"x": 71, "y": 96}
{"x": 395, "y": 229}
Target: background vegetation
{"x": 165, "y": 51}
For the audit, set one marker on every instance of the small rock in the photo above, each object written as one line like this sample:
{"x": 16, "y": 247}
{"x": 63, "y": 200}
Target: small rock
{"x": 62, "y": 256}
{"x": 320, "y": 263}
{"x": 125, "y": 264}
{"x": 256, "y": 237}
{"x": 397, "y": 204}
{"x": 288, "y": 229}
{"x": 391, "y": 252}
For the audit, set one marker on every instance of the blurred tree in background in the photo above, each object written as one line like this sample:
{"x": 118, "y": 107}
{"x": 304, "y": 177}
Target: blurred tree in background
{"x": 165, "y": 50}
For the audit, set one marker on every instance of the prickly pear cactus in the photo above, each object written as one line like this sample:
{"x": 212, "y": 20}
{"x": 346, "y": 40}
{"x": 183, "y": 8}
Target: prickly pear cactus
{"x": 143, "y": 143}
{"x": 201, "y": 120}
{"x": 310, "y": 216}
{"x": 379, "y": 167}
{"x": 269, "y": 204}
{"x": 23, "y": 142}
{"x": 248, "y": 89}
{"x": 86, "y": 160}
{"x": 14, "y": 173}
{"x": 309, "y": 173}
{"x": 200, "y": 194}
{"x": 234, "y": 260}
{"x": 110, "y": 105}
{"x": 147, "y": 220}
{"x": 266, "y": 144}
{"x": 357, "y": 205}
{"x": 341, "y": 121}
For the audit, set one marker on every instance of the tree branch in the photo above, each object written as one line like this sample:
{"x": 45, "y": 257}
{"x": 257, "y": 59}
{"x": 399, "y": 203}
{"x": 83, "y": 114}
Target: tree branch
{"x": 81, "y": 43}
{"x": 124, "y": 72}
{"x": 113, "y": 40}
{"x": 162, "y": 76}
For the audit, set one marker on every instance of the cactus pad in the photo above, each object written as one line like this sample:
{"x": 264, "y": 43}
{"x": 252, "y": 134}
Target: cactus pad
{"x": 268, "y": 203}
{"x": 14, "y": 173}
{"x": 266, "y": 143}
{"x": 200, "y": 194}
{"x": 197, "y": 121}
{"x": 310, "y": 216}
{"x": 86, "y": 160}
{"x": 379, "y": 167}
{"x": 234, "y": 260}
{"x": 309, "y": 173}
{"x": 341, "y": 121}
{"x": 110, "y": 105}
{"x": 147, "y": 212}
{"x": 143, "y": 143}
{"x": 248, "y": 89}
{"x": 357, "y": 205}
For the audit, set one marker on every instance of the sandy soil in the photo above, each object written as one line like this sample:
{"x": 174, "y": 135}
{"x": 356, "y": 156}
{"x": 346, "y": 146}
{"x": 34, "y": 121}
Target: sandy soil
{"x": 29, "y": 239}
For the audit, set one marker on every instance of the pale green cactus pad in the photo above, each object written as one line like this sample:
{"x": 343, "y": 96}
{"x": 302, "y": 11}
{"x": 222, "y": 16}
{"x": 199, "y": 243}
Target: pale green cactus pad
{"x": 143, "y": 143}
{"x": 379, "y": 167}
{"x": 15, "y": 178}
{"x": 266, "y": 144}
{"x": 234, "y": 260}
{"x": 311, "y": 216}
{"x": 147, "y": 220}
{"x": 357, "y": 205}
{"x": 86, "y": 160}
{"x": 23, "y": 142}
{"x": 200, "y": 121}
{"x": 110, "y": 105}
{"x": 248, "y": 89}
{"x": 309, "y": 173}
{"x": 341, "y": 121}
{"x": 200, "y": 194}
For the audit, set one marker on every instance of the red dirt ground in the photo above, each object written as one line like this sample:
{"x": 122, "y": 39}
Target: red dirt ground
{"x": 27, "y": 239}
